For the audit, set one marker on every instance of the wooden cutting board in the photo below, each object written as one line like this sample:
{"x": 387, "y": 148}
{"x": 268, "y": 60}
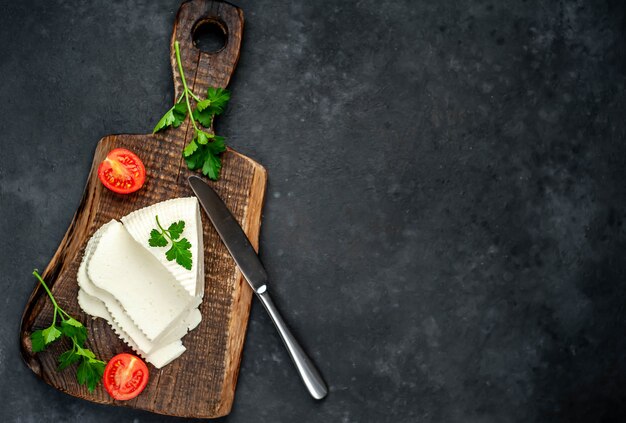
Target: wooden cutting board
{"x": 201, "y": 383}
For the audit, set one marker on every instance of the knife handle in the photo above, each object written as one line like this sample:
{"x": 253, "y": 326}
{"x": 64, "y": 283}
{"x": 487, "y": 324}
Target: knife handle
{"x": 309, "y": 374}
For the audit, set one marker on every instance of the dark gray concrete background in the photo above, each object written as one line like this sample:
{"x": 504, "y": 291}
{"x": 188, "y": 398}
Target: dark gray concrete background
{"x": 444, "y": 226}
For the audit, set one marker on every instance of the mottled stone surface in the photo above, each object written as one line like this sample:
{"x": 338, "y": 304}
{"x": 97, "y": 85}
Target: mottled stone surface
{"x": 444, "y": 226}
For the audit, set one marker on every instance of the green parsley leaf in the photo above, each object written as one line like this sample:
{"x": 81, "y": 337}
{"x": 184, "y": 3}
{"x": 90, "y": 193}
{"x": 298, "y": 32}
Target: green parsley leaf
{"x": 90, "y": 373}
{"x": 181, "y": 252}
{"x": 68, "y": 358}
{"x": 196, "y": 159}
{"x": 98, "y": 370}
{"x": 74, "y": 329}
{"x": 180, "y": 113}
{"x": 37, "y": 341}
{"x": 203, "y": 138}
{"x": 205, "y": 117}
{"x": 216, "y": 101}
{"x": 217, "y": 146}
{"x": 157, "y": 239}
{"x": 90, "y": 370}
{"x": 190, "y": 148}
{"x": 204, "y": 114}
{"x": 204, "y": 105}
{"x": 51, "y": 334}
{"x": 212, "y": 166}
{"x": 176, "y": 228}
{"x": 218, "y": 98}
{"x": 83, "y": 372}
{"x": 85, "y": 352}
{"x": 173, "y": 117}
{"x": 73, "y": 322}
{"x": 206, "y": 158}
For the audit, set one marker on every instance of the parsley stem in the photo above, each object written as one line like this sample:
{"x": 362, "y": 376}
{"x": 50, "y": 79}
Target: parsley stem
{"x": 56, "y": 306}
{"x": 195, "y": 97}
{"x": 163, "y": 231}
{"x": 182, "y": 78}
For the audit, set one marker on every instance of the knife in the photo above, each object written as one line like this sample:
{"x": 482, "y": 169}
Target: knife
{"x": 250, "y": 266}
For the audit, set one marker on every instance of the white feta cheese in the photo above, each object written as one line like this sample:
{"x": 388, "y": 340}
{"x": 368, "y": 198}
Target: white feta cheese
{"x": 141, "y": 222}
{"x": 151, "y": 297}
{"x": 149, "y": 302}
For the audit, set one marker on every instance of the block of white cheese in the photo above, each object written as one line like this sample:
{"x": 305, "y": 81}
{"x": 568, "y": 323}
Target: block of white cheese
{"x": 141, "y": 222}
{"x": 150, "y": 296}
{"x": 91, "y": 299}
{"x": 147, "y": 301}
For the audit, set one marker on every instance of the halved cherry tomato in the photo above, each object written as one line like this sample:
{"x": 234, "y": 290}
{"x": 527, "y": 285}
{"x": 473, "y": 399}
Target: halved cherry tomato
{"x": 125, "y": 376}
{"x": 122, "y": 171}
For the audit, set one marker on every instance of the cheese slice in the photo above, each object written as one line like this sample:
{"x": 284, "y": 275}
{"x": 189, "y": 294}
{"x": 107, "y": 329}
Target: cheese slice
{"x": 141, "y": 222}
{"x": 158, "y": 356}
{"x": 92, "y": 305}
{"x": 90, "y": 295}
{"x": 114, "y": 313}
{"x": 166, "y": 355}
{"x": 151, "y": 298}
{"x": 147, "y": 345}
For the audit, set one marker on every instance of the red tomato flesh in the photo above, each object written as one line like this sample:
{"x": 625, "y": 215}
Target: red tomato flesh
{"x": 125, "y": 376}
{"x": 122, "y": 171}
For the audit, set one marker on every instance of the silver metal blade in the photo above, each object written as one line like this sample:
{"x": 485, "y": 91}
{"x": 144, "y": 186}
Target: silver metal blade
{"x": 231, "y": 233}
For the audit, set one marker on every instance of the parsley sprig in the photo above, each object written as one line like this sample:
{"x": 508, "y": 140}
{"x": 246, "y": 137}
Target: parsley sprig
{"x": 90, "y": 370}
{"x": 203, "y": 150}
{"x": 180, "y": 249}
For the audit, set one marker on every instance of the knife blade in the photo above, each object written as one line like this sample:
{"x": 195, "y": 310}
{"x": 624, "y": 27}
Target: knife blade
{"x": 231, "y": 233}
{"x": 253, "y": 271}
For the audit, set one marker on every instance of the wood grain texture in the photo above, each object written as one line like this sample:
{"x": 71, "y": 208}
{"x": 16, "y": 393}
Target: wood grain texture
{"x": 201, "y": 383}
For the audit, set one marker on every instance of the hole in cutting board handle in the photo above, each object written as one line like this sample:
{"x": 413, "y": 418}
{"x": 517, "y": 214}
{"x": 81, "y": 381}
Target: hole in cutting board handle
{"x": 210, "y": 36}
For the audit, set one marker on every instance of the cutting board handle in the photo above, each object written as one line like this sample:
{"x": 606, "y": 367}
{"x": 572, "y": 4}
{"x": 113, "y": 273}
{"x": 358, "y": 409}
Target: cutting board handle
{"x": 204, "y": 69}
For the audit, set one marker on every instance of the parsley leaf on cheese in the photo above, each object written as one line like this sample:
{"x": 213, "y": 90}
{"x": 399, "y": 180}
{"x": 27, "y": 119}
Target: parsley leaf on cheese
{"x": 203, "y": 151}
{"x": 90, "y": 370}
{"x": 157, "y": 239}
{"x": 176, "y": 228}
{"x": 180, "y": 250}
